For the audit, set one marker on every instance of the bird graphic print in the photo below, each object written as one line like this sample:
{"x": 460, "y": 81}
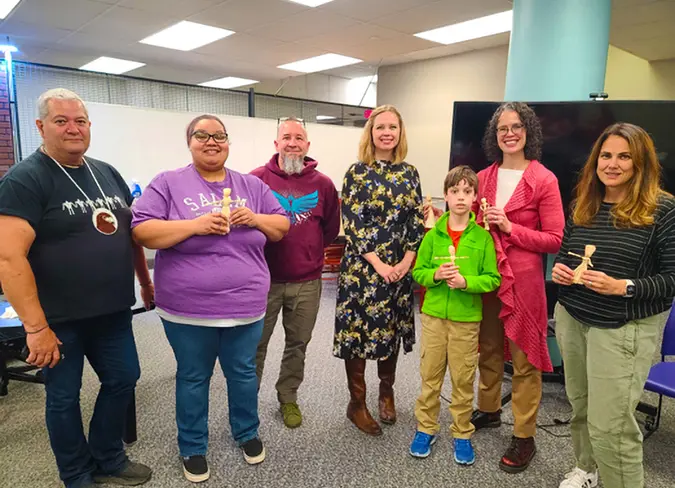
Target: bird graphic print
{"x": 298, "y": 209}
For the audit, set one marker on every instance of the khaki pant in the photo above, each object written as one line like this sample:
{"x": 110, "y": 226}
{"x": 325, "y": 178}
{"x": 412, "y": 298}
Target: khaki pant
{"x": 299, "y": 303}
{"x": 453, "y": 345}
{"x": 605, "y": 374}
{"x": 526, "y": 379}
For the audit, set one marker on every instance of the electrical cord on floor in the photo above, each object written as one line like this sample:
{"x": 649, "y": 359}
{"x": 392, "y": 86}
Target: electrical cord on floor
{"x": 544, "y": 427}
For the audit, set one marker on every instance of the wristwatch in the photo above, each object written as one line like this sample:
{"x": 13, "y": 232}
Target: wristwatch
{"x": 630, "y": 289}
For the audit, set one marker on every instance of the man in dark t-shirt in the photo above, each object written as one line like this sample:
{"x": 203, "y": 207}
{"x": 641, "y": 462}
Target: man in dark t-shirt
{"x": 67, "y": 265}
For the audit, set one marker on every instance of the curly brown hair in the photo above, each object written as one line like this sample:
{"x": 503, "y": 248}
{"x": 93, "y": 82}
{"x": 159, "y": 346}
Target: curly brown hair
{"x": 534, "y": 137}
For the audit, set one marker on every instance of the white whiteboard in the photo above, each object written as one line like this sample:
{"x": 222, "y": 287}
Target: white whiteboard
{"x": 140, "y": 142}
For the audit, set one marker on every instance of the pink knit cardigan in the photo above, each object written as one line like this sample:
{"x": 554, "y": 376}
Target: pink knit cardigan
{"x": 536, "y": 214}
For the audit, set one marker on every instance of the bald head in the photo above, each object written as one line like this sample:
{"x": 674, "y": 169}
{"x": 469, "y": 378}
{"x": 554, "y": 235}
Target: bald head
{"x": 292, "y": 144}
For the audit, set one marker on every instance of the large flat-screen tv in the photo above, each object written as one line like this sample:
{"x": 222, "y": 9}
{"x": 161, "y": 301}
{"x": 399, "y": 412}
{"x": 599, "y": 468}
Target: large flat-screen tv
{"x": 569, "y": 129}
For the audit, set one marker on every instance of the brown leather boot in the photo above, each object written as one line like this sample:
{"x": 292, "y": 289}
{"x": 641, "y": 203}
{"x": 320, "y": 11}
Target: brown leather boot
{"x": 357, "y": 411}
{"x": 519, "y": 455}
{"x": 386, "y": 370}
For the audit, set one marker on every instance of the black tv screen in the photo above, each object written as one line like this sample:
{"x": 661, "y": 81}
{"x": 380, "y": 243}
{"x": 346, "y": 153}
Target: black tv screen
{"x": 570, "y": 129}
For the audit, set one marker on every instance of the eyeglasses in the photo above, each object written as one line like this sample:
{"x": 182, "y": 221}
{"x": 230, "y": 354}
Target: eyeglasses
{"x": 290, "y": 119}
{"x": 517, "y": 129}
{"x": 203, "y": 136}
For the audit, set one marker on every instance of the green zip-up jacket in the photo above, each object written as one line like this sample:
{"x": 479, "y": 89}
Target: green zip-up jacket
{"x": 477, "y": 262}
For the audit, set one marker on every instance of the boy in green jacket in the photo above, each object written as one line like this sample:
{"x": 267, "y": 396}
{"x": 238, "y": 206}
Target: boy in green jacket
{"x": 452, "y": 312}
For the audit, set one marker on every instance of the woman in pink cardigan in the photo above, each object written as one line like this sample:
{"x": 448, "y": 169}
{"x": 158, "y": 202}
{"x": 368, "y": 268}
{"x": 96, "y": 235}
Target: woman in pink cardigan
{"x": 526, "y": 220}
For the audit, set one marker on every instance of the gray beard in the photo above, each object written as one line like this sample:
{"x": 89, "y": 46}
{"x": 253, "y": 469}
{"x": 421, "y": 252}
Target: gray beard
{"x": 293, "y": 165}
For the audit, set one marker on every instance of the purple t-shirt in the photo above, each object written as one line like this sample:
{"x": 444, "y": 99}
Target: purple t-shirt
{"x": 213, "y": 276}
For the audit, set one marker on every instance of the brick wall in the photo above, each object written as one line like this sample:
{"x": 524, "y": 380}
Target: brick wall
{"x": 6, "y": 141}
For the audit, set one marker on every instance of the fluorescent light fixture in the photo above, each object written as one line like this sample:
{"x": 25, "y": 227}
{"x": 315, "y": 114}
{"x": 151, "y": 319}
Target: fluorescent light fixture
{"x": 325, "y": 117}
{"x": 311, "y": 3}
{"x": 8, "y": 48}
{"x": 471, "y": 29}
{"x": 111, "y": 65}
{"x": 186, "y": 36}
{"x": 6, "y": 7}
{"x": 365, "y": 79}
{"x": 320, "y": 63}
{"x": 228, "y": 82}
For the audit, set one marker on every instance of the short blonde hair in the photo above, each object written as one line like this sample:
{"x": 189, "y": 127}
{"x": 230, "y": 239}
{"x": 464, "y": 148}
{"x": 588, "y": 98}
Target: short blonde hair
{"x": 367, "y": 146}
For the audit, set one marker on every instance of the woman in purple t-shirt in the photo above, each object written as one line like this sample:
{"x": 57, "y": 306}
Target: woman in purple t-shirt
{"x": 211, "y": 283}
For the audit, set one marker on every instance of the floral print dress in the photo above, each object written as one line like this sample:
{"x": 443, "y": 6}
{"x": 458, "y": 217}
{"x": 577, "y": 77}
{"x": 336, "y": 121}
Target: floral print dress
{"x": 381, "y": 213}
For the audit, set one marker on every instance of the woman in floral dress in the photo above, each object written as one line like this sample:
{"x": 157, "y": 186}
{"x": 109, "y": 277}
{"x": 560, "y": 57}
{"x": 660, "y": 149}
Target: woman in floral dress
{"x": 382, "y": 217}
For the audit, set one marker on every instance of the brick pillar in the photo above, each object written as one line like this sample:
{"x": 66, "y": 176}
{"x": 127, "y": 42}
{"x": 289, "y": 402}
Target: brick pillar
{"x": 6, "y": 137}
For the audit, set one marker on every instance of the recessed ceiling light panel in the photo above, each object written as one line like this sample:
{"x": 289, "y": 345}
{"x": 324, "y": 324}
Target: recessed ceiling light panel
{"x": 113, "y": 66}
{"x": 186, "y": 36}
{"x": 228, "y": 82}
{"x": 471, "y": 29}
{"x": 311, "y": 3}
{"x": 320, "y": 63}
{"x": 6, "y": 7}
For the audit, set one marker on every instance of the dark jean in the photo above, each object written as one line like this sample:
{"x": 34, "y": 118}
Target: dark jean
{"x": 196, "y": 349}
{"x": 107, "y": 342}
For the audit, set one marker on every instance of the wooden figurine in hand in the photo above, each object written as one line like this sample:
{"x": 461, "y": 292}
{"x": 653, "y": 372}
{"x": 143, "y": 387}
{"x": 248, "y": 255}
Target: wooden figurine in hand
{"x": 227, "y": 201}
{"x": 484, "y": 205}
{"x": 431, "y": 218}
{"x": 585, "y": 263}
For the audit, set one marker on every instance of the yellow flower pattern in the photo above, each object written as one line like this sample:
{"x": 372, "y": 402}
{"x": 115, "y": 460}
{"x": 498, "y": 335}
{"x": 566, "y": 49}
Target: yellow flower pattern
{"x": 381, "y": 213}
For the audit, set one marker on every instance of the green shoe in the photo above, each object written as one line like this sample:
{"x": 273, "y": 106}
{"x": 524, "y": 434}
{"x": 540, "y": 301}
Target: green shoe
{"x": 292, "y": 415}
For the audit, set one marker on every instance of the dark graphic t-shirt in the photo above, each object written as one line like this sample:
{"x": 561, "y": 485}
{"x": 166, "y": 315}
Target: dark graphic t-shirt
{"x": 83, "y": 267}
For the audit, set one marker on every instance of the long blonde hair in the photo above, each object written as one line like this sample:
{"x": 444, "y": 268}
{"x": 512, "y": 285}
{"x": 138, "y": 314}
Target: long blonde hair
{"x": 367, "y": 146}
{"x": 637, "y": 209}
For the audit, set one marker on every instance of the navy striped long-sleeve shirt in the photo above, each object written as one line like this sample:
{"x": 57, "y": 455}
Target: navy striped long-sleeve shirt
{"x": 645, "y": 255}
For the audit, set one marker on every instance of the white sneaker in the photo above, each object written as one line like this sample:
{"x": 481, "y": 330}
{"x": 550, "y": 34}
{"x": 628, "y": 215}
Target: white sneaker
{"x": 578, "y": 478}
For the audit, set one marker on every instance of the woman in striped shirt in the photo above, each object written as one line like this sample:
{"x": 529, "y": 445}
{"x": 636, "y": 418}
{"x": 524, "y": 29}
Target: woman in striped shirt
{"x": 609, "y": 321}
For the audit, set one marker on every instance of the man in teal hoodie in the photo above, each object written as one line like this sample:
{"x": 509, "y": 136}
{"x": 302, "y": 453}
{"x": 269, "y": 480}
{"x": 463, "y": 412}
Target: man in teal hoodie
{"x": 457, "y": 263}
{"x": 296, "y": 262}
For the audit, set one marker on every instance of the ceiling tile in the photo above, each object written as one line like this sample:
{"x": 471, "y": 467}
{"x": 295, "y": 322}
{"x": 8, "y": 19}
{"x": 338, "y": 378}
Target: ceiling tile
{"x": 129, "y": 24}
{"x": 242, "y": 15}
{"x": 283, "y": 53}
{"x": 173, "y": 8}
{"x": 64, "y": 14}
{"x": 353, "y": 35}
{"x": 239, "y": 46}
{"x": 643, "y": 13}
{"x": 306, "y": 24}
{"x": 439, "y": 14}
{"x": 637, "y": 32}
{"x": 19, "y": 31}
{"x": 371, "y": 9}
{"x": 381, "y": 48}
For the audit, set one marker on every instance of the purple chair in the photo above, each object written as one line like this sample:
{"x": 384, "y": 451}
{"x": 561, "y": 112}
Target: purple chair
{"x": 661, "y": 377}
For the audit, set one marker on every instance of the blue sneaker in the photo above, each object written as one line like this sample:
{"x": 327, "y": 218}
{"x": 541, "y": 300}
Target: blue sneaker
{"x": 421, "y": 444}
{"x": 464, "y": 452}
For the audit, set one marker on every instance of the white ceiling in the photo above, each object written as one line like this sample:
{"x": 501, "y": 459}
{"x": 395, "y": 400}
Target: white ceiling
{"x": 273, "y": 32}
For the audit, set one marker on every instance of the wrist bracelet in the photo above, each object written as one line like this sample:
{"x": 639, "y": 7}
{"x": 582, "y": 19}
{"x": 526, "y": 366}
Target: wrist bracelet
{"x": 146, "y": 284}
{"x": 36, "y": 331}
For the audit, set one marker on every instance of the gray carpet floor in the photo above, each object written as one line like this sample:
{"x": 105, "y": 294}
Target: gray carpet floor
{"x": 326, "y": 451}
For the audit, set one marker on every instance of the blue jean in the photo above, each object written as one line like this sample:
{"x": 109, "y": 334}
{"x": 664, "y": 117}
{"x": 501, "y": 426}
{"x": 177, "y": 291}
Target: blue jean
{"x": 108, "y": 343}
{"x": 196, "y": 349}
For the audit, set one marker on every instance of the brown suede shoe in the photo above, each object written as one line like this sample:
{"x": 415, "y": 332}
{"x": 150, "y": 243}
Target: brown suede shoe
{"x": 519, "y": 455}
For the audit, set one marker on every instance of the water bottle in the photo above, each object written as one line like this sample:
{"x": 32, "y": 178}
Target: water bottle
{"x": 135, "y": 189}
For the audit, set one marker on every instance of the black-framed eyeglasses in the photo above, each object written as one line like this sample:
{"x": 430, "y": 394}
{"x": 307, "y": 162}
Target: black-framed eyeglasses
{"x": 203, "y": 136}
{"x": 291, "y": 119}
{"x": 517, "y": 129}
